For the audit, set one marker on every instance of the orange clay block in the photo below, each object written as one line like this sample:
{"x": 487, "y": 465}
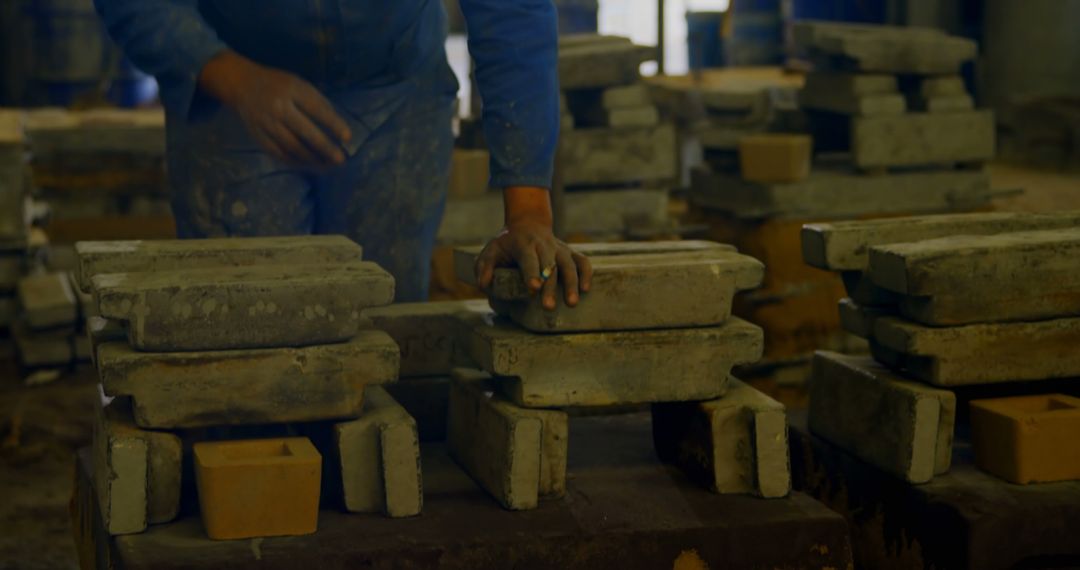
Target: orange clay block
{"x": 263, "y": 487}
{"x": 1028, "y": 439}
{"x": 773, "y": 158}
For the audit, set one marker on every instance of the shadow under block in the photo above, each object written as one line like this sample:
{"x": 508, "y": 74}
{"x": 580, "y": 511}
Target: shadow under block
{"x": 962, "y": 279}
{"x": 963, "y": 519}
{"x": 258, "y": 487}
{"x": 859, "y": 319}
{"x": 245, "y": 307}
{"x": 255, "y": 386}
{"x": 842, "y": 194}
{"x": 624, "y": 509}
{"x": 886, "y": 49}
{"x": 379, "y": 455}
{"x": 611, "y": 368}
{"x": 852, "y": 94}
{"x": 980, "y": 354}
{"x": 137, "y": 472}
{"x": 922, "y": 139}
{"x": 845, "y": 246}
{"x": 139, "y": 256}
{"x": 518, "y": 455}
{"x": 735, "y": 444}
{"x": 1028, "y": 439}
{"x": 47, "y": 301}
{"x": 684, "y": 286}
{"x": 898, "y": 425}
{"x": 861, "y": 289}
{"x": 427, "y": 333}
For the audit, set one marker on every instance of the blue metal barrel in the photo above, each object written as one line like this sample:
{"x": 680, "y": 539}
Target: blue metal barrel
{"x": 703, "y": 32}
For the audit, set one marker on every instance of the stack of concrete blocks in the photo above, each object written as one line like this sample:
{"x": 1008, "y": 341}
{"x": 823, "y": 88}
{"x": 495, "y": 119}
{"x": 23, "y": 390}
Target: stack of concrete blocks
{"x": 13, "y": 226}
{"x": 944, "y": 301}
{"x": 49, "y": 330}
{"x": 93, "y": 167}
{"x": 239, "y": 332}
{"x": 656, "y": 328}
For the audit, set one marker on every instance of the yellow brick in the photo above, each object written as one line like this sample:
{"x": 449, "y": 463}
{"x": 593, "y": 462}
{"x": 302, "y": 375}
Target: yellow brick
{"x": 265, "y": 487}
{"x": 1028, "y": 439}
{"x": 772, "y": 158}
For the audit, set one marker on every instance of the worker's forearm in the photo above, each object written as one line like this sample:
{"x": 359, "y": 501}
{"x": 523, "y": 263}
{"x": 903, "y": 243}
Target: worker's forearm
{"x": 223, "y": 76}
{"x": 527, "y": 204}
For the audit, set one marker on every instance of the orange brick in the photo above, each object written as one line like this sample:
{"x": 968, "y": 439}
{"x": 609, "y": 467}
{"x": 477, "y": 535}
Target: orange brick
{"x": 773, "y": 158}
{"x": 265, "y": 487}
{"x": 1028, "y": 439}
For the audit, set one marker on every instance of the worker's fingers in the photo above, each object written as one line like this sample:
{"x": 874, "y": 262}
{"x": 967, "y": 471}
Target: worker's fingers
{"x": 484, "y": 268}
{"x": 269, "y": 145}
{"x": 313, "y": 137}
{"x": 568, "y": 275}
{"x": 584, "y": 270}
{"x": 529, "y": 263}
{"x": 322, "y": 110}
{"x": 295, "y": 150}
{"x": 550, "y": 273}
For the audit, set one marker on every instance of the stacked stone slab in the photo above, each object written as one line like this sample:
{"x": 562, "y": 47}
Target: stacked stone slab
{"x": 655, "y": 328}
{"x": 48, "y": 330}
{"x": 13, "y": 230}
{"x": 945, "y": 301}
{"x": 240, "y": 332}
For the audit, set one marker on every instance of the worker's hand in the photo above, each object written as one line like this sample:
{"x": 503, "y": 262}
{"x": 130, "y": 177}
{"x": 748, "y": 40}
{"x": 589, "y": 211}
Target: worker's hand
{"x": 528, "y": 242}
{"x": 285, "y": 114}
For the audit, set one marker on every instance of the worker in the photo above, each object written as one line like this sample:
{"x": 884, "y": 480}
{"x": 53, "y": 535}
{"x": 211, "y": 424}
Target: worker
{"x": 288, "y": 117}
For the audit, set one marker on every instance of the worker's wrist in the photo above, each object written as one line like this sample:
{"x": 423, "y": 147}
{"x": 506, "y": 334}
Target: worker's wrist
{"x": 527, "y": 204}
{"x": 222, "y": 76}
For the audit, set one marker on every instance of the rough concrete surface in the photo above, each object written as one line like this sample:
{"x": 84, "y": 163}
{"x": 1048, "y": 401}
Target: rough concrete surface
{"x": 611, "y": 368}
{"x": 736, "y": 444}
{"x": 982, "y": 353}
{"x": 840, "y": 246}
{"x": 254, "y": 386}
{"x": 99, "y": 257}
{"x": 922, "y": 139}
{"x": 963, "y": 279}
{"x": 901, "y": 426}
{"x": 619, "y": 155}
{"x": 243, "y": 307}
{"x": 379, "y": 456}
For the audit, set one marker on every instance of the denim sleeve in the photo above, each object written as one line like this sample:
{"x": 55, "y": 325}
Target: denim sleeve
{"x": 515, "y": 46}
{"x": 166, "y": 38}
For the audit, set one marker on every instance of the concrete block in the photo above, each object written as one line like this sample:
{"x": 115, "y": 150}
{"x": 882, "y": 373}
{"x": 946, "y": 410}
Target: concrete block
{"x": 963, "y": 279}
{"x": 611, "y": 368}
{"x": 735, "y": 445}
{"x": 886, "y": 49}
{"x": 600, "y": 61}
{"x": 99, "y": 257}
{"x": 53, "y": 132}
{"x": 137, "y": 472}
{"x": 257, "y": 488}
{"x": 469, "y": 173}
{"x": 11, "y": 264}
{"x": 1028, "y": 439}
{"x": 633, "y": 117}
{"x": 769, "y": 158}
{"x": 858, "y": 319}
{"x": 840, "y": 246}
{"x": 243, "y": 307}
{"x": 861, "y": 106}
{"x": 852, "y": 93}
{"x": 619, "y": 155}
{"x": 255, "y": 386}
{"x": 48, "y": 301}
{"x": 842, "y": 194}
{"x": 897, "y": 425}
{"x": 983, "y": 353}
{"x": 942, "y": 86}
{"x": 427, "y": 333}
{"x": 946, "y": 104}
{"x": 626, "y": 96}
{"x": 43, "y": 348}
{"x": 427, "y": 401}
{"x": 863, "y": 291}
{"x": 920, "y": 139}
{"x": 516, "y": 454}
{"x": 379, "y": 455}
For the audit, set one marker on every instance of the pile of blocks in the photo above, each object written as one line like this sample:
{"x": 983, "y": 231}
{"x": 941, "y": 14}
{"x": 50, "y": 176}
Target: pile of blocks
{"x": 50, "y": 329}
{"x": 894, "y": 129}
{"x": 199, "y": 337}
{"x": 945, "y": 302}
{"x": 13, "y": 226}
{"x": 656, "y": 329}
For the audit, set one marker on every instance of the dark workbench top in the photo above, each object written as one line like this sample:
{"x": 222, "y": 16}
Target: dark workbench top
{"x": 623, "y": 510}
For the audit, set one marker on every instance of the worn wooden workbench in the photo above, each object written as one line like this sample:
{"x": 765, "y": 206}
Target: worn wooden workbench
{"x": 963, "y": 519}
{"x": 624, "y": 510}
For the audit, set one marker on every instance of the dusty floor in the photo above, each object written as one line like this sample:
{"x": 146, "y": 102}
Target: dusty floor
{"x": 41, "y": 426}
